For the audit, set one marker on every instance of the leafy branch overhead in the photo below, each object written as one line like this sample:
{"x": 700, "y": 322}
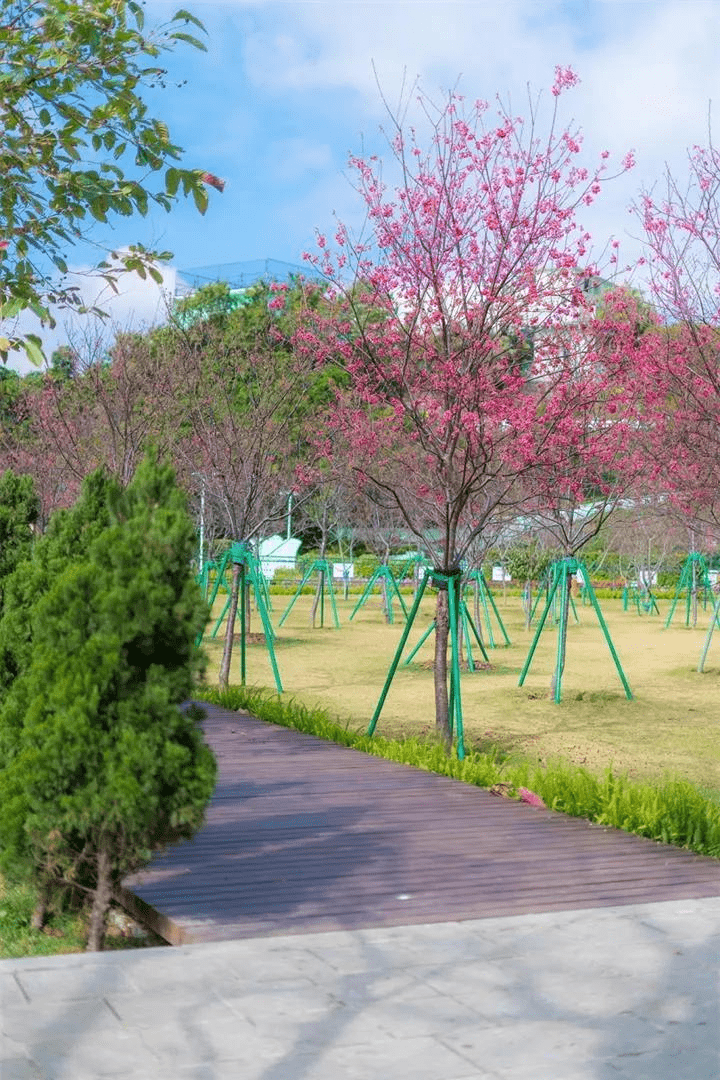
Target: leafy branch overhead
{"x": 79, "y": 146}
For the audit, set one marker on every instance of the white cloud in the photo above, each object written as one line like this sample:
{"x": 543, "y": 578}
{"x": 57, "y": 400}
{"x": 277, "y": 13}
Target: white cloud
{"x": 650, "y": 88}
{"x": 289, "y": 88}
{"x": 647, "y": 69}
{"x": 325, "y": 46}
{"x": 292, "y": 159}
{"x": 137, "y": 305}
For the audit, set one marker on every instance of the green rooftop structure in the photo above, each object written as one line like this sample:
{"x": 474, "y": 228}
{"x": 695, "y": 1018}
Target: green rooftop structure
{"x": 220, "y": 305}
{"x": 241, "y": 281}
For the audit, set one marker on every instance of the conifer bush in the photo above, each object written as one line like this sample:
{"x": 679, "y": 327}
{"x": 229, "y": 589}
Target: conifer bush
{"x": 99, "y": 764}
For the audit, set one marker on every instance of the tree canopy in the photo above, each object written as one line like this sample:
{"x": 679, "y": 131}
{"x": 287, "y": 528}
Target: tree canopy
{"x": 79, "y": 146}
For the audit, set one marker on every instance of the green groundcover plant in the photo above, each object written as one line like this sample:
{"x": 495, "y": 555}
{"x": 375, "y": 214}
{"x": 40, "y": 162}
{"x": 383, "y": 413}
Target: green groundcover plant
{"x": 672, "y": 811}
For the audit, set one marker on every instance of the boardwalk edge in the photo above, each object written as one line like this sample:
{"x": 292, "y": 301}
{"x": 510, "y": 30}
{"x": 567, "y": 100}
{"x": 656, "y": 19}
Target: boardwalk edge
{"x": 151, "y": 918}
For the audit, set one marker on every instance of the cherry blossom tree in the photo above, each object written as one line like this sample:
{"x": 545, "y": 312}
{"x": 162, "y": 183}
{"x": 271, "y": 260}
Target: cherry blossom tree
{"x": 237, "y": 408}
{"x": 458, "y": 318}
{"x": 646, "y": 537}
{"x": 108, "y": 412}
{"x": 681, "y": 227}
{"x": 382, "y": 531}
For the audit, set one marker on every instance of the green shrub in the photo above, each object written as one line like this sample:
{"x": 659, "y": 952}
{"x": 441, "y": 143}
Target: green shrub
{"x": 99, "y": 764}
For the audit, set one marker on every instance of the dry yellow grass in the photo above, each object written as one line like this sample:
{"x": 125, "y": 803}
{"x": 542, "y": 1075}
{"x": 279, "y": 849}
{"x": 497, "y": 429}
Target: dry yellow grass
{"x": 671, "y": 725}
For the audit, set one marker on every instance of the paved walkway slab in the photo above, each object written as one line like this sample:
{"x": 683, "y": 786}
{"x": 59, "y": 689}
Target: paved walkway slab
{"x": 624, "y": 993}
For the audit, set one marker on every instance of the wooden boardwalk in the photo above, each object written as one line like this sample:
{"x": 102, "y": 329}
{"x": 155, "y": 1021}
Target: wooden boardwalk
{"x": 304, "y": 835}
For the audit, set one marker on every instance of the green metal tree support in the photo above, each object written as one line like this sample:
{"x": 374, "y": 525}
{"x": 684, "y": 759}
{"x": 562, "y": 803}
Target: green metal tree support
{"x": 257, "y": 581}
{"x": 413, "y": 567}
{"x": 203, "y": 578}
{"x": 548, "y": 587}
{"x": 715, "y": 621}
{"x": 451, "y": 582}
{"x": 693, "y": 576}
{"x": 241, "y": 555}
{"x": 563, "y": 572}
{"x": 642, "y": 598}
{"x": 483, "y": 596}
{"x": 325, "y": 584}
{"x": 383, "y": 575}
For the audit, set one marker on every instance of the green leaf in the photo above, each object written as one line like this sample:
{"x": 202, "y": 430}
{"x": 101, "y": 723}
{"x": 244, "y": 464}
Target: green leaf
{"x": 42, "y": 312}
{"x": 32, "y": 345}
{"x": 200, "y": 196}
{"x": 138, "y": 13}
{"x": 98, "y": 209}
{"x": 187, "y": 16}
{"x": 155, "y": 274}
{"x": 189, "y": 40}
{"x": 172, "y": 181}
{"x": 73, "y": 87}
{"x": 11, "y": 308}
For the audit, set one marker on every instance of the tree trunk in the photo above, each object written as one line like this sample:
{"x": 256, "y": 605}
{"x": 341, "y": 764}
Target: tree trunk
{"x": 527, "y": 603}
{"x": 316, "y": 601}
{"x": 442, "y": 630}
{"x": 37, "y": 921}
{"x": 101, "y": 902}
{"x": 224, "y": 675}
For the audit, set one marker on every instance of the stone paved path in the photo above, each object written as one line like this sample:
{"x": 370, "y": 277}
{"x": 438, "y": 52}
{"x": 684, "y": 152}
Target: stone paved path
{"x": 628, "y": 993}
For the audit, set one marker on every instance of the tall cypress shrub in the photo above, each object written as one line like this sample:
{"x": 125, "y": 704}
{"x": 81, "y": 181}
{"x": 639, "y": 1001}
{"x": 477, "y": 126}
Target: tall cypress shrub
{"x": 19, "y": 509}
{"x": 68, "y": 535}
{"x": 99, "y": 764}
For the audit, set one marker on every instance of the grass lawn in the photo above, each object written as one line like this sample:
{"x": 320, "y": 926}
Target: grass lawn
{"x": 65, "y": 931}
{"x": 671, "y": 725}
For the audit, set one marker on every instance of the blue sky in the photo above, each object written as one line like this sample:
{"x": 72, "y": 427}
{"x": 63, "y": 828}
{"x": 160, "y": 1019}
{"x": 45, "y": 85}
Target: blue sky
{"x": 286, "y": 90}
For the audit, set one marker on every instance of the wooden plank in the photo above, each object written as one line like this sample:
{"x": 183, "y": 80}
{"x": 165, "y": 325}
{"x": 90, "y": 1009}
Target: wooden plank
{"x": 305, "y": 835}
